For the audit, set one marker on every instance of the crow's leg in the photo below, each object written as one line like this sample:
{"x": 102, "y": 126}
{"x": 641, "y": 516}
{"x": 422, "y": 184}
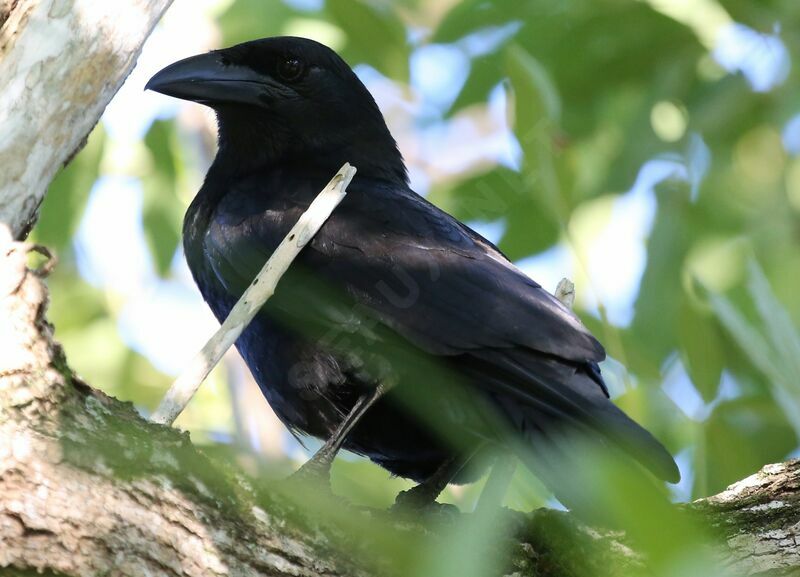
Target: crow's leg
{"x": 425, "y": 494}
{"x": 491, "y": 498}
{"x": 319, "y": 466}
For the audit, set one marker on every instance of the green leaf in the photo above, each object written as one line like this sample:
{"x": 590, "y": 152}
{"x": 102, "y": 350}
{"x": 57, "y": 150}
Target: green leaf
{"x": 162, "y": 209}
{"x": 365, "y": 482}
{"x": 740, "y": 437}
{"x": 746, "y": 336}
{"x": 537, "y": 100}
{"x": 782, "y": 334}
{"x": 661, "y": 294}
{"x": 63, "y": 207}
{"x": 529, "y": 231}
{"x": 252, "y": 19}
{"x": 485, "y": 73}
{"x": 537, "y": 110}
{"x": 473, "y": 15}
{"x": 375, "y": 35}
{"x": 504, "y": 194}
{"x": 486, "y": 197}
{"x": 775, "y": 350}
{"x": 702, "y": 348}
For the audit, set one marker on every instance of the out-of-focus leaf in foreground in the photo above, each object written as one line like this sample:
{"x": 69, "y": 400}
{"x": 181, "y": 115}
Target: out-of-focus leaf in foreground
{"x": 773, "y": 346}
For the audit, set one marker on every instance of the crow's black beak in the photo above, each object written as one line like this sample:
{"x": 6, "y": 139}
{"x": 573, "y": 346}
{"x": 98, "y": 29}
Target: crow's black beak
{"x": 209, "y": 79}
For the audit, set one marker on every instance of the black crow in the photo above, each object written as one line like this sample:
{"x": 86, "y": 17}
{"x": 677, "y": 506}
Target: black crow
{"x": 392, "y": 291}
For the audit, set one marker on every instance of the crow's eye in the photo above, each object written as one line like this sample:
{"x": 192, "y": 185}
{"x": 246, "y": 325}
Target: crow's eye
{"x": 290, "y": 69}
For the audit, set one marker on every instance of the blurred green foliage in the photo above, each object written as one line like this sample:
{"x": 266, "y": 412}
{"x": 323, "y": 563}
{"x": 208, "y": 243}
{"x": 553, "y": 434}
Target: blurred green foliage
{"x": 595, "y": 90}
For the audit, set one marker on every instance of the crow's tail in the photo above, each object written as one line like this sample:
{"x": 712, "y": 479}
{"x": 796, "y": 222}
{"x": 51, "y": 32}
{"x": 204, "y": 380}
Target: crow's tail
{"x": 546, "y": 398}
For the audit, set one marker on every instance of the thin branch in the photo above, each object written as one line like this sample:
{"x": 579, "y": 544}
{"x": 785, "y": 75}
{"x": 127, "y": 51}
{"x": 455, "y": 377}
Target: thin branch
{"x": 565, "y": 292}
{"x": 259, "y": 291}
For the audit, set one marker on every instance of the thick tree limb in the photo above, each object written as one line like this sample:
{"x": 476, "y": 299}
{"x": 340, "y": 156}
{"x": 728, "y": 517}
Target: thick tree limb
{"x": 61, "y": 61}
{"x": 88, "y": 487}
{"x": 760, "y": 519}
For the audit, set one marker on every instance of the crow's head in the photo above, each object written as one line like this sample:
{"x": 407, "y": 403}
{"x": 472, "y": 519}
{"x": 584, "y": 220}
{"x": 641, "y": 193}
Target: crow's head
{"x": 286, "y": 100}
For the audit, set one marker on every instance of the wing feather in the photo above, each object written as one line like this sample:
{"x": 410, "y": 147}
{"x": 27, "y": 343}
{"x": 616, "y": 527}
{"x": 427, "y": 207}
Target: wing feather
{"x": 421, "y": 272}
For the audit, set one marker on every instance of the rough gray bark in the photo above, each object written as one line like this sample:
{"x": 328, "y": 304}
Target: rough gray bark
{"x": 759, "y": 518}
{"x": 88, "y": 487}
{"x": 61, "y": 61}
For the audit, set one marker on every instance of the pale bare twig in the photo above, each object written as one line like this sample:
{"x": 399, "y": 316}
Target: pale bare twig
{"x": 259, "y": 291}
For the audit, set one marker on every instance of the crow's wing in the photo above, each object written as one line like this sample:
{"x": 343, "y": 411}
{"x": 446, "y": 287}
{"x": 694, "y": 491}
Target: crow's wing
{"x": 445, "y": 289}
{"x": 421, "y": 272}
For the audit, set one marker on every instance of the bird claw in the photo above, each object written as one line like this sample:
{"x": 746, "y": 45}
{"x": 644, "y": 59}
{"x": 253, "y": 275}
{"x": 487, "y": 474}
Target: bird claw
{"x": 413, "y": 503}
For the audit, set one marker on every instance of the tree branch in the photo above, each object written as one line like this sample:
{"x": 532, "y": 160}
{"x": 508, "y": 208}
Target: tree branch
{"x": 88, "y": 487}
{"x": 61, "y": 61}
